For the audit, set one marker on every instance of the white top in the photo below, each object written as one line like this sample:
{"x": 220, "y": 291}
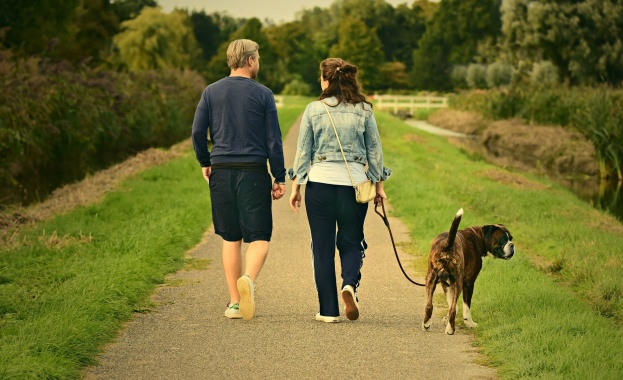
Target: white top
{"x": 335, "y": 173}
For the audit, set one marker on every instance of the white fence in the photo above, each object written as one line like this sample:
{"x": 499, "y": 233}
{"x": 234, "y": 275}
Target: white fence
{"x": 396, "y": 103}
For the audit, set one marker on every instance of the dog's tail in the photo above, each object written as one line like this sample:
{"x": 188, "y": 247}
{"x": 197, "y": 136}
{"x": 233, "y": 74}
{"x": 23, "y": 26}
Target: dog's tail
{"x": 454, "y": 228}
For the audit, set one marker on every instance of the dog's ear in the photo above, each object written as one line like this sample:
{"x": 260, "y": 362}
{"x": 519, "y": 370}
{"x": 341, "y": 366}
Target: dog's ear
{"x": 488, "y": 231}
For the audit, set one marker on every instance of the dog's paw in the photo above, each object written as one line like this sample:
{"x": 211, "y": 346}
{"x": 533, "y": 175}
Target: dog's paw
{"x": 469, "y": 323}
{"x": 449, "y": 330}
{"x": 426, "y": 326}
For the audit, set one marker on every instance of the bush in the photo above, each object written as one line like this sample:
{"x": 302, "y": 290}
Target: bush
{"x": 58, "y": 122}
{"x": 476, "y": 76}
{"x": 499, "y": 74}
{"x": 459, "y": 76}
{"x": 297, "y": 87}
{"x": 544, "y": 73}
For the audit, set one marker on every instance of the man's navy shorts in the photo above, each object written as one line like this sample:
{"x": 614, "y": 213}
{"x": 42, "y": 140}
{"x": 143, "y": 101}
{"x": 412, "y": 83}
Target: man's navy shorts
{"x": 241, "y": 204}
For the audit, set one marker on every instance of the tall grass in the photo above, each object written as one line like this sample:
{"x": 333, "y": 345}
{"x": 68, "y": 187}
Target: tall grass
{"x": 553, "y": 311}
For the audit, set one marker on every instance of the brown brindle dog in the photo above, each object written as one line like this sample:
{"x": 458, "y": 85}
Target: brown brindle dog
{"x": 455, "y": 259}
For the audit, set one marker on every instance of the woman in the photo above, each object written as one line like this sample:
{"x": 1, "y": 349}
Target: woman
{"x": 329, "y": 194}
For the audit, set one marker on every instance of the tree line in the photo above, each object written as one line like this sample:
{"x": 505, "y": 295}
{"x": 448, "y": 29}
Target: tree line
{"x": 423, "y": 45}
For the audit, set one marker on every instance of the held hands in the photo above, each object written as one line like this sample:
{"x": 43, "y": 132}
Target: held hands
{"x": 279, "y": 190}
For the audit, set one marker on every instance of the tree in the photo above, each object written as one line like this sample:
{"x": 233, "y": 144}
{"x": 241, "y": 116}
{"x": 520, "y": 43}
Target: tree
{"x": 91, "y": 33}
{"x": 269, "y": 74}
{"x": 128, "y": 9}
{"x": 207, "y": 33}
{"x": 582, "y": 38}
{"x": 453, "y": 36}
{"x": 155, "y": 40}
{"x": 36, "y": 26}
{"x": 298, "y": 53}
{"x": 360, "y": 46}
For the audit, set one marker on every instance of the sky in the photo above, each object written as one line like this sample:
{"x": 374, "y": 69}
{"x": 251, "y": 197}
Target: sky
{"x": 277, "y": 10}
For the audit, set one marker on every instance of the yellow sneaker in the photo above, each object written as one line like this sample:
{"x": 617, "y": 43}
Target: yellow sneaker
{"x": 247, "y": 300}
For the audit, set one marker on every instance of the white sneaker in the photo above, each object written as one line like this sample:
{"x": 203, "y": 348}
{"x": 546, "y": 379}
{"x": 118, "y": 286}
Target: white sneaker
{"x": 321, "y": 318}
{"x": 233, "y": 311}
{"x": 351, "y": 304}
{"x": 247, "y": 300}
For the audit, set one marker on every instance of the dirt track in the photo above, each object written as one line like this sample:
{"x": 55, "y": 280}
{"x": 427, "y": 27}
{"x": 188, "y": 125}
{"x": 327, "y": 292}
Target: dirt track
{"x": 187, "y": 337}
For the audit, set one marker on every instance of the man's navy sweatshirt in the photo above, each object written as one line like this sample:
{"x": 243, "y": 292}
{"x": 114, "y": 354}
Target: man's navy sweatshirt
{"x": 241, "y": 117}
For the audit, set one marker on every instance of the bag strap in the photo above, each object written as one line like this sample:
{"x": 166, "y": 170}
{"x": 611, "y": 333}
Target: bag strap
{"x": 339, "y": 143}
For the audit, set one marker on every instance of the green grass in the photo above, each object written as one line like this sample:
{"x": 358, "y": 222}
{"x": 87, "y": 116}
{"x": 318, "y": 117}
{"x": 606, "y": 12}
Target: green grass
{"x": 65, "y": 292}
{"x": 292, "y": 108}
{"x": 553, "y": 311}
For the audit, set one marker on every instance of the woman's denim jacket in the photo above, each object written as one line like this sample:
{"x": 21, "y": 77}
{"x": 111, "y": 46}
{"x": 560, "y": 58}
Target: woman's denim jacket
{"x": 358, "y": 133}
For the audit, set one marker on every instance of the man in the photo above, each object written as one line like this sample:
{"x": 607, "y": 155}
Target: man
{"x": 241, "y": 116}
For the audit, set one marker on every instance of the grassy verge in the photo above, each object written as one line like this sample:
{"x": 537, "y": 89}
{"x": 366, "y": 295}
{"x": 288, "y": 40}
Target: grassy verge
{"x": 555, "y": 310}
{"x": 67, "y": 288}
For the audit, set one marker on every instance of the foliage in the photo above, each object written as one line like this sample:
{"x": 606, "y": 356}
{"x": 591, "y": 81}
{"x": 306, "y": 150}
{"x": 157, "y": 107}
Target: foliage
{"x": 583, "y": 39}
{"x": 299, "y": 54}
{"x": 459, "y": 76}
{"x": 33, "y": 25}
{"x": 499, "y": 74}
{"x": 476, "y": 76}
{"x": 544, "y": 73}
{"x": 360, "y": 46}
{"x": 268, "y": 75}
{"x": 155, "y": 40}
{"x": 297, "y": 87}
{"x": 394, "y": 76}
{"x": 129, "y": 9}
{"x": 59, "y": 122}
{"x": 452, "y": 37}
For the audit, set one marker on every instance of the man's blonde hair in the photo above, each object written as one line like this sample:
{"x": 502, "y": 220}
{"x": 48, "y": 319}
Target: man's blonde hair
{"x": 239, "y": 51}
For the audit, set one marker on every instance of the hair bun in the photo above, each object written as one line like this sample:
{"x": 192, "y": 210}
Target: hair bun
{"x": 348, "y": 68}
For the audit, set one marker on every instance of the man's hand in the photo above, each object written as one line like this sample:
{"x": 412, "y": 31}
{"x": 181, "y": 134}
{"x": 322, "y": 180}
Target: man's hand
{"x": 206, "y": 173}
{"x": 279, "y": 190}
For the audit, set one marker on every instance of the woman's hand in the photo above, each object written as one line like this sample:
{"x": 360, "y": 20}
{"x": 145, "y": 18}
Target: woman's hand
{"x": 295, "y": 197}
{"x": 380, "y": 192}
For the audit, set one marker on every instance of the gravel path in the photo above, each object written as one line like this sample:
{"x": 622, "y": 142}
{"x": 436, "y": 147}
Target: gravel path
{"x": 187, "y": 337}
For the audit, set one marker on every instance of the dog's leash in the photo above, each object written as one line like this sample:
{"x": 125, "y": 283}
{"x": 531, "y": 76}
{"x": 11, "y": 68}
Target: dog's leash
{"x": 386, "y": 221}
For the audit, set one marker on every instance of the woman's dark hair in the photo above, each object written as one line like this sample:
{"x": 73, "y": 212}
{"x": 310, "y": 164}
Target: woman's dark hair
{"x": 343, "y": 82}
